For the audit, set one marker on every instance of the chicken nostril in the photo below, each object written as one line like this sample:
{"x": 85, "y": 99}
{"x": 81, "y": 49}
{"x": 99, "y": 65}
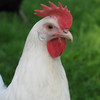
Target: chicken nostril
{"x": 65, "y": 31}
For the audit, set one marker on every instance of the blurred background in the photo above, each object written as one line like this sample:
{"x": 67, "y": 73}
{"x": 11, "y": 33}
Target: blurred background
{"x": 81, "y": 58}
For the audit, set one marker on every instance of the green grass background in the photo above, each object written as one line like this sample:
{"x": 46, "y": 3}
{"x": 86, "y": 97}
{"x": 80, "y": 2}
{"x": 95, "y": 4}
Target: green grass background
{"x": 81, "y": 58}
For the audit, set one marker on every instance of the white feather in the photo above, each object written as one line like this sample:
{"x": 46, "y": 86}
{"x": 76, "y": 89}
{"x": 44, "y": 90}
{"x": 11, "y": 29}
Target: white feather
{"x": 2, "y": 85}
{"x": 38, "y": 76}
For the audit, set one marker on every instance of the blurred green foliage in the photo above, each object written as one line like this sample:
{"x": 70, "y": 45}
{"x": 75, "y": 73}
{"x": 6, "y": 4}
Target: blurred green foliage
{"x": 81, "y": 58}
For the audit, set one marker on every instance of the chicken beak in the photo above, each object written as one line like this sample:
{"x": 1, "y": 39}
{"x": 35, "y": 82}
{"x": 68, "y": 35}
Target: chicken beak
{"x": 67, "y": 35}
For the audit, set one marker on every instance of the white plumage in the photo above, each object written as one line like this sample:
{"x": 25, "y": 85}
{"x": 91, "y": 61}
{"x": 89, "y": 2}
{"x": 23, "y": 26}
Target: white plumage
{"x": 38, "y": 75}
{"x": 2, "y": 86}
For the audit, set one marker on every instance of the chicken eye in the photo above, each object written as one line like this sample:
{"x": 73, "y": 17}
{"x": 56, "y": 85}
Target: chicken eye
{"x": 50, "y": 27}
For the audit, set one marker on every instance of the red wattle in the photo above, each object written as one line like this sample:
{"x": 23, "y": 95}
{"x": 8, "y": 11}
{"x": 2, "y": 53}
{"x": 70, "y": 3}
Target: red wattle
{"x": 56, "y": 46}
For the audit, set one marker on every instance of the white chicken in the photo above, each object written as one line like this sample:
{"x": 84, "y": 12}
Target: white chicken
{"x": 40, "y": 74}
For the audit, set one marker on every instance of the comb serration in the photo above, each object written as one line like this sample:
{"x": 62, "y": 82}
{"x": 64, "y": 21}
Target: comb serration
{"x": 52, "y": 5}
{"x": 60, "y": 5}
{"x": 63, "y": 15}
{"x": 45, "y": 7}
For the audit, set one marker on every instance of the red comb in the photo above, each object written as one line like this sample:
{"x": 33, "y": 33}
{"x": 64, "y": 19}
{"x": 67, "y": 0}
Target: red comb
{"x": 63, "y": 14}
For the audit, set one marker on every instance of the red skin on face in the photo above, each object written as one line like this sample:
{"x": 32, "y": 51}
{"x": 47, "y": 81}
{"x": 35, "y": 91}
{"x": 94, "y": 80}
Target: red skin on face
{"x": 56, "y": 46}
{"x": 63, "y": 15}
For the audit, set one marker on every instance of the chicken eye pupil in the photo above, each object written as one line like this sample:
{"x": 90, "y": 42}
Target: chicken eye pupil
{"x": 50, "y": 26}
